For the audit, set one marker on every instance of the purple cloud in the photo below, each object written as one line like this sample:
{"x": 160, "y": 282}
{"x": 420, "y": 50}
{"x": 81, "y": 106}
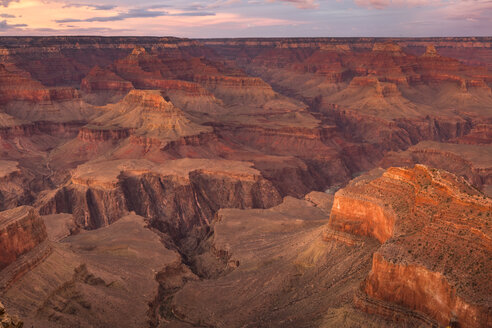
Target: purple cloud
{"x": 93, "y": 6}
{"x": 132, "y": 13}
{"x": 301, "y": 4}
{"x": 6, "y": 26}
{"x": 6, "y": 3}
{"x": 381, "y": 4}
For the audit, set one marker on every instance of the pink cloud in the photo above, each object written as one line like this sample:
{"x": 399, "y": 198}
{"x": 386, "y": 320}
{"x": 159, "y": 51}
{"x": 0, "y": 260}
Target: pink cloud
{"x": 301, "y": 4}
{"x": 470, "y": 10}
{"x": 381, "y": 4}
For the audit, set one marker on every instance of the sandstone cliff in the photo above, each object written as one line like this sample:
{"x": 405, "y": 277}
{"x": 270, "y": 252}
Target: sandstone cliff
{"x": 435, "y": 235}
{"x": 145, "y": 114}
{"x": 178, "y": 195}
{"x": 21, "y": 230}
{"x": 472, "y": 162}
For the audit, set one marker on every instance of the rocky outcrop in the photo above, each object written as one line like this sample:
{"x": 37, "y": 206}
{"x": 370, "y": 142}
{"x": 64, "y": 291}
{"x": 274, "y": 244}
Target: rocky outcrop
{"x": 172, "y": 86}
{"x": 321, "y": 164}
{"x": 100, "y": 79}
{"x": 233, "y": 89}
{"x": 12, "y": 128}
{"x": 14, "y": 185}
{"x": 276, "y": 257}
{"x": 142, "y": 113}
{"x": 430, "y": 51}
{"x": 398, "y": 133}
{"x": 102, "y": 86}
{"x": 21, "y": 231}
{"x": 469, "y": 161}
{"x": 435, "y": 239}
{"x": 481, "y": 133}
{"x": 388, "y": 47}
{"x": 425, "y": 291}
{"x": 177, "y": 195}
{"x": 359, "y": 216}
{"x": 7, "y": 321}
{"x": 21, "y": 87}
{"x": 88, "y": 273}
{"x": 94, "y": 134}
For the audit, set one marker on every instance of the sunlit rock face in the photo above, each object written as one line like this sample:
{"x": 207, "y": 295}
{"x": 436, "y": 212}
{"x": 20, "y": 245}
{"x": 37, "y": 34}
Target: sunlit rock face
{"x": 283, "y": 182}
{"x": 434, "y": 231}
{"x": 8, "y": 321}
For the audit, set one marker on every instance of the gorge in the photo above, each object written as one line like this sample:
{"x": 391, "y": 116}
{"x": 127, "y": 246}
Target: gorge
{"x": 269, "y": 182}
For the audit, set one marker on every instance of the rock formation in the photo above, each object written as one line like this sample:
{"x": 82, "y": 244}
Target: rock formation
{"x": 8, "y": 321}
{"x": 23, "y": 240}
{"x": 21, "y": 231}
{"x": 435, "y": 239}
{"x": 147, "y": 113}
{"x": 90, "y": 278}
{"x": 179, "y": 194}
{"x": 469, "y": 161}
{"x": 102, "y": 86}
{"x": 14, "y": 189}
{"x": 172, "y": 173}
{"x": 430, "y": 51}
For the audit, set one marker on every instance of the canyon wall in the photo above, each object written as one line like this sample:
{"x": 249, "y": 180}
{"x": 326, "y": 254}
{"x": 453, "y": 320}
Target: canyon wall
{"x": 21, "y": 231}
{"x": 433, "y": 257}
{"x": 178, "y": 195}
{"x": 207, "y": 142}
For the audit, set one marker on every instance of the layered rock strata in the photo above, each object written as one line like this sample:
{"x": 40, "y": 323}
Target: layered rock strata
{"x": 472, "y": 162}
{"x": 21, "y": 231}
{"x": 93, "y": 278}
{"x": 143, "y": 114}
{"x": 178, "y": 194}
{"x": 436, "y": 244}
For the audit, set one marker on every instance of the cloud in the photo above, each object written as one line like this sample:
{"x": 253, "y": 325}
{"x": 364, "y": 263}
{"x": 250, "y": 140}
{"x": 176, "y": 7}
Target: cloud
{"x": 53, "y": 31}
{"x": 136, "y": 13}
{"x": 469, "y": 10}
{"x": 301, "y": 4}
{"x": 212, "y": 5}
{"x": 92, "y": 6}
{"x": 193, "y": 13}
{"x": 132, "y": 13}
{"x": 6, "y": 26}
{"x": 382, "y": 4}
{"x": 6, "y": 3}
{"x": 248, "y": 18}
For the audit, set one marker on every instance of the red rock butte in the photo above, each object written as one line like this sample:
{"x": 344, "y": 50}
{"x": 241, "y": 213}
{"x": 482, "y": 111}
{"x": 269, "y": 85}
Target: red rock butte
{"x": 281, "y": 182}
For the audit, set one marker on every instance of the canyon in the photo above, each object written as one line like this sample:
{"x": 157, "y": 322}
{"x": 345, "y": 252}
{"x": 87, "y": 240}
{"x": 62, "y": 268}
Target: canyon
{"x": 276, "y": 182}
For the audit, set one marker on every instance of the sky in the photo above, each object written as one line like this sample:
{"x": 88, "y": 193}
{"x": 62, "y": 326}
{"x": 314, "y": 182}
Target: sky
{"x": 247, "y": 18}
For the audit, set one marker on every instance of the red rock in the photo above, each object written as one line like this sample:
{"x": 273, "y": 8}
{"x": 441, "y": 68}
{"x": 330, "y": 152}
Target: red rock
{"x": 101, "y": 193}
{"x": 433, "y": 227}
{"x": 241, "y": 123}
{"x": 100, "y": 79}
{"x": 21, "y": 230}
{"x": 469, "y": 161}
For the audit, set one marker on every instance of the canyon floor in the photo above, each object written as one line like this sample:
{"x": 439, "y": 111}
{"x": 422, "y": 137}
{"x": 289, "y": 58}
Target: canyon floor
{"x": 296, "y": 182}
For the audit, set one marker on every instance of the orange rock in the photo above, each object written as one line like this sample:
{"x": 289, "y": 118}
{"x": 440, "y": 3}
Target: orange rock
{"x": 436, "y": 241}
